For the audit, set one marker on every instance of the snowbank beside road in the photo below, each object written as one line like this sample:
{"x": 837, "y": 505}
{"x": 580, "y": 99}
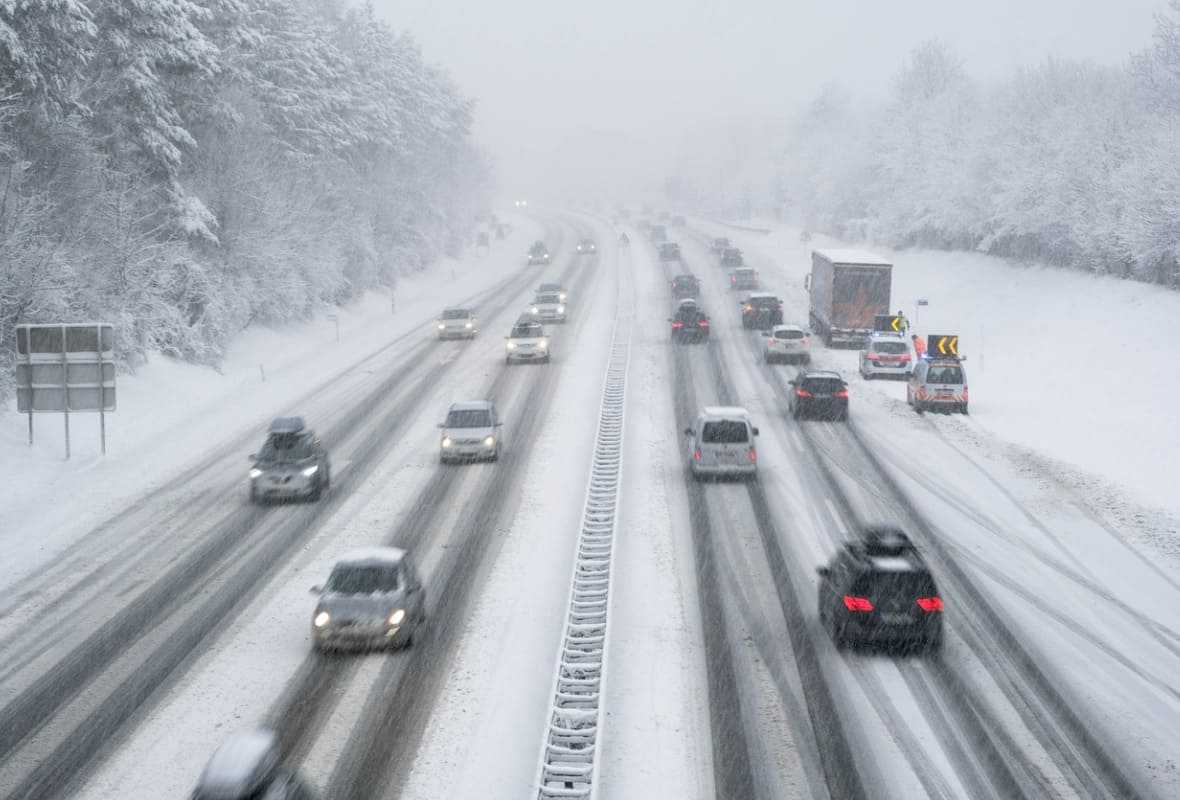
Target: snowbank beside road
{"x": 1078, "y": 368}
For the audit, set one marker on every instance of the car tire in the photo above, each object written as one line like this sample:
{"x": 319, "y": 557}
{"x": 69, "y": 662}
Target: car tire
{"x": 495, "y": 456}
{"x": 254, "y": 497}
{"x": 964, "y": 409}
{"x": 318, "y": 492}
{"x": 918, "y": 407}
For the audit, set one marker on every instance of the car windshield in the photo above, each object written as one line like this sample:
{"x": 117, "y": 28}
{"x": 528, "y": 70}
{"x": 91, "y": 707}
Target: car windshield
{"x": 548, "y": 287}
{"x": 548, "y": 298}
{"x": 525, "y": 332}
{"x": 538, "y": 248}
{"x": 788, "y": 334}
{"x": 945, "y": 374}
{"x": 456, "y": 313}
{"x": 890, "y": 348}
{"x": 362, "y": 579}
{"x": 684, "y": 282}
{"x": 823, "y": 385}
{"x": 726, "y": 431}
{"x": 286, "y": 447}
{"x": 469, "y": 418}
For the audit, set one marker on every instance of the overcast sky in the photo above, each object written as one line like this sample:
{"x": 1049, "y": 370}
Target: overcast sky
{"x": 571, "y": 92}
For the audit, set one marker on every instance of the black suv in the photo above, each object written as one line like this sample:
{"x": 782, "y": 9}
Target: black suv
{"x": 669, "y": 251}
{"x": 879, "y": 591}
{"x": 819, "y": 393}
{"x": 685, "y": 286}
{"x": 292, "y": 464}
{"x": 690, "y": 324}
{"x": 761, "y": 311}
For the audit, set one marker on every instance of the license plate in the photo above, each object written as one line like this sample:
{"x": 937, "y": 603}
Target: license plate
{"x": 895, "y": 618}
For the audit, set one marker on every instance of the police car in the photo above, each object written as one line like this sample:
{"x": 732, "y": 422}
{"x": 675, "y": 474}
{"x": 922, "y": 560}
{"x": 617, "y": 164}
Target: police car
{"x": 886, "y": 354}
{"x": 939, "y": 381}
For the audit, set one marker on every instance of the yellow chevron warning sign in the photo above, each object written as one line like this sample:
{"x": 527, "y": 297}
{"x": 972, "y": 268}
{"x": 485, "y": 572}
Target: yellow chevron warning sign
{"x": 941, "y": 344}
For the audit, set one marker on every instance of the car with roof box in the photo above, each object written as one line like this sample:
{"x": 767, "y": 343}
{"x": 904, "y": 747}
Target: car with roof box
{"x": 292, "y": 464}
{"x": 373, "y": 598}
{"x": 471, "y": 431}
{"x": 879, "y": 590}
{"x": 818, "y": 393}
{"x": 721, "y": 444}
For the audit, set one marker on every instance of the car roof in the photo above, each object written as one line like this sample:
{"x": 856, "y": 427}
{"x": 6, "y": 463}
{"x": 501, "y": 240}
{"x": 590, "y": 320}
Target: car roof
{"x": 240, "y": 766}
{"x": 761, "y": 296}
{"x": 725, "y": 412}
{"x": 548, "y": 286}
{"x": 821, "y": 373}
{"x": 887, "y": 335}
{"x": 851, "y": 256}
{"x": 472, "y": 405}
{"x": 372, "y": 555}
{"x": 464, "y": 309}
{"x": 788, "y": 327}
{"x": 287, "y": 425}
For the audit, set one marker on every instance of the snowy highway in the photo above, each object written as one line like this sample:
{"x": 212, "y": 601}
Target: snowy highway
{"x": 184, "y": 615}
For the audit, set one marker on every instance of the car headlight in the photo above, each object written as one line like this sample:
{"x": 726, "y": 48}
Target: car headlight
{"x": 322, "y": 619}
{"x": 255, "y": 473}
{"x": 442, "y": 327}
{"x": 397, "y": 617}
{"x": 542, "y": 344}
{"x": 489, "y": 441}
{"x": 446, "y": 442}
{"x": 561, "y": 309}
{"x": 468, "y": 326}
{"x": 312, "y": 470}
{"x": 534, "y": 309}
{"x": 563, "y": 297}
{"x": 511, "y": 345}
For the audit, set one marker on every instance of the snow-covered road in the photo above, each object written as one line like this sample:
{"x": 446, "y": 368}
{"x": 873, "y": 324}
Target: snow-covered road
{"x": 142, "y": 633}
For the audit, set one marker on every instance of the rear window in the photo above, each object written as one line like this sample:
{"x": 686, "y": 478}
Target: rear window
{"x": 469, "y": 418}
{"x": 355, "y": 579}
{"x": 456, "y": 313}
{"x": 823, "y": 385}
{"x": 890, "y": 348}
{"x": 727, "y": 431}
{"x": 944, "y": 374}
{"x": 684, "y": 280}
{"x": 904, "y": 587}
{"x": 788, "y": 334}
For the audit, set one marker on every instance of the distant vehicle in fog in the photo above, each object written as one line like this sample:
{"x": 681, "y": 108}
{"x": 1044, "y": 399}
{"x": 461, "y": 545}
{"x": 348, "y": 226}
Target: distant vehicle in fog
{"x": 548, "y": 307}
{"x": 685, "y": 286}
{"x": 470, "y": 432}
{"x": 248, "y": 766}
{"x": 457, "y": 323}
{"x": 761, "y": 310}
{"x": 550, "y": 288}
{"x": 731, "y": 258}
{"x": 720, "y": 245}
{"x": 292, "y": 463}
{"x": 538, "y": 254}
{"x": 372, "y": 598}
{"x": 587, "y": 247}
{"x": 669, "y": 251}
{"x": 745, "y": 278}
{"x": 527, "y": 342}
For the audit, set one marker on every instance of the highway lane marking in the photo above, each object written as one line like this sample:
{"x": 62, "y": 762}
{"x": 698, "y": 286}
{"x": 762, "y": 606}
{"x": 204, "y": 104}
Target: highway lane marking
{"x": 796, "y": 441}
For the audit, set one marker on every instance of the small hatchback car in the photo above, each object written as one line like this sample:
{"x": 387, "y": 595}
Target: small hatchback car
{"x": 248, "y": 766}
{"x": 669, "y": 251}
{"x": 818, "y": 393}
{"x": 457, "y": 323}
{"x": 885, "y": 355}
{"x": 587, "y": 247}
{"x": 373, "y": 598}
{"x": 787, "y": 343}
{"x": 292, "y": 463}
{"x": 470, "y": 432}
{"x": 721, "y": 444}
{"x": 879, "y": 590}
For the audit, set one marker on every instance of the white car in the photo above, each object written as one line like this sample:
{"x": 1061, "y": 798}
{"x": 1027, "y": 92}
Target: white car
{"x": 787, "y": 343}
{"x": 721, "y": 443}
{"x": 527, "y": 342}
{"x": 886, "y": 354}
{"x": 457, "y": 323}
{"x": 470, "y": 432}
{"x": 548, "y": 307}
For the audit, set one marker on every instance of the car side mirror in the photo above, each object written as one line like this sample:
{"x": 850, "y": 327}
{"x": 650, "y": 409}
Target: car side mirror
{"x": 755, "y": 431}
{"x": 688, "y": 431}
{"x": 316, "y": 590}
{"x": 252, "y": 457}
{"x": 823, "y": 572}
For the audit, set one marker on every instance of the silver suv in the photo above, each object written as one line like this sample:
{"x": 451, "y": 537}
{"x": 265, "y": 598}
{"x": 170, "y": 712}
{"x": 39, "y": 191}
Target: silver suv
{"x": 471, "y": 431}
{"x": 292, "y": 463}
{"x": 372, "y": 598}
{"x": 457, "y": 323}
{"x": 721, "y": 443}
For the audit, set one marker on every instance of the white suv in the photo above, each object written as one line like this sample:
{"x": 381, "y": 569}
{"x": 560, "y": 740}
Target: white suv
{"x": 721, "y": 443}
{"x": 787, "y": 343}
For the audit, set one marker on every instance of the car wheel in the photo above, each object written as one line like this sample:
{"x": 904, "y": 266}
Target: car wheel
{"x": 315, "y": 494}
{"x": 254, "y": 498}
{"x": 918, "y": 407}
{"x": 495, "y": 456}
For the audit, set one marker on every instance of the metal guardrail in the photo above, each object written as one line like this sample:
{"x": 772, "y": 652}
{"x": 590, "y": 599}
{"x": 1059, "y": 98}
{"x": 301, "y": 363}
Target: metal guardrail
{"x": 569, "y": 768}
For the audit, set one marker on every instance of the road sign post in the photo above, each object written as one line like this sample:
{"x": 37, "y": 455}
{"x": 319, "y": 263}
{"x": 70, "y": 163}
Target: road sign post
{"x": 66, "y": 367}
{"x": 921, "y": 301}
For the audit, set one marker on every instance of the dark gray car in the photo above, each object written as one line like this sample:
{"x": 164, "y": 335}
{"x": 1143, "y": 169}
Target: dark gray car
{"x": 247, "y": 766}
{"x": 292, "y": 463}
{"x": 373, "y": 598}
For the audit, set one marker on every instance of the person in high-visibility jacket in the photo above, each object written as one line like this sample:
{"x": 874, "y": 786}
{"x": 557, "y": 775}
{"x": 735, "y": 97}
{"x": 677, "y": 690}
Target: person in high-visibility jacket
{"x": 919, "y": 346}
{"x": 902, "y": 322}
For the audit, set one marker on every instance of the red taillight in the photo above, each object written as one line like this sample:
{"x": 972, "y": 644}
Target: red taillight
{"x": 802, "y": 393}
{"x": 843, "y": 394}
{"x": 966, "y": 397}
{"x": 733, "y": 278}
{"x": 752, "y": 455}
{"x": 904, "y": 359}
{"x": 853, "y": 603}
{"x": 703, "y": 323}
{"x": 677, "y": 325}
{"x": 930, "y": 603}
{"x": 696, "y": 455}
{"x": 872, "y": 357}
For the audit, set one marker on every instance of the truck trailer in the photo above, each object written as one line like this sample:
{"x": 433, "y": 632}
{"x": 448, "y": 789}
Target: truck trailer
{"x": 848, "y": 288}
